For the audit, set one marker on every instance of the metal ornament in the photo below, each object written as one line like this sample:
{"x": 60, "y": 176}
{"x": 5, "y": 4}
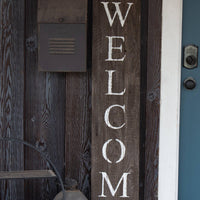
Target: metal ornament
{"x": 44, "y": 156}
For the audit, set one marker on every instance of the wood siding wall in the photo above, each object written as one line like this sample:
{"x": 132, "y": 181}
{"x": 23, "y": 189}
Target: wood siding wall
{"x": 153, "y": 99}
{"x": 53, "y": 110}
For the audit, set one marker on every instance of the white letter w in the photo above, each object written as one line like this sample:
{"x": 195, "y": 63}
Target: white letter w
{"x": 117, "y": 12}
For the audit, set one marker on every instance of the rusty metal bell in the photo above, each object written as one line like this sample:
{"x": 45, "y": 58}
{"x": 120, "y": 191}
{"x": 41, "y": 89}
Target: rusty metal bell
{"x": 71, "y": 195}
{"x": 71, "y": 191}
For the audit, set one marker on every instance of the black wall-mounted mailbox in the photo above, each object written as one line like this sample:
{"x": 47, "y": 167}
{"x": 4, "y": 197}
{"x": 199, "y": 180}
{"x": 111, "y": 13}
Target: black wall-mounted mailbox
{"x": 62, "y": 35}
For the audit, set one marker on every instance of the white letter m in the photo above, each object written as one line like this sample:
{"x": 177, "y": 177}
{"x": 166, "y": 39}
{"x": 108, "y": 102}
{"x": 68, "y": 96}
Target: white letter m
{"x": 112, "y": 190}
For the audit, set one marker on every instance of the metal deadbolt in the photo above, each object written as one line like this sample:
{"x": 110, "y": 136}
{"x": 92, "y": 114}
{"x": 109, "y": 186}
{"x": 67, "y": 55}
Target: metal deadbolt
{"x": 191, "y": 60}
{"x": 190, "y": 56}
{"x": 189, "y": 83}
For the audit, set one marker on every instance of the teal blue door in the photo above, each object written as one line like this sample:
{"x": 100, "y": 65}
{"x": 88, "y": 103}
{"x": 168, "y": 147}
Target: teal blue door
{"x": 189, "y": 159}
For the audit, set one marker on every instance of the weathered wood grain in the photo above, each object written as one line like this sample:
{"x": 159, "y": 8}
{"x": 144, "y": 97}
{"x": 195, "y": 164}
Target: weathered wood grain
{"x": 78, "y": 120}
{"x": 153, "y": 100}
{"x": 127, "y": 76}
{"x": 11, "y": 93}
{"x": 44, "y": 113}
{"x": 78, "y": 129}
{"x": 27, "y": 174}
{"x": 143, "y": 89}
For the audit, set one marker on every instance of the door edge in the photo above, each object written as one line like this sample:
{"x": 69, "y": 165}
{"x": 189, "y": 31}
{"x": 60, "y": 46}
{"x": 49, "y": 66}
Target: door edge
{"x": 170, "y": 99}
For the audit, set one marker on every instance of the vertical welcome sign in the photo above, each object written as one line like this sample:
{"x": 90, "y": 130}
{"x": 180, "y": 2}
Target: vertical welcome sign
{"x": 116, "y": 99}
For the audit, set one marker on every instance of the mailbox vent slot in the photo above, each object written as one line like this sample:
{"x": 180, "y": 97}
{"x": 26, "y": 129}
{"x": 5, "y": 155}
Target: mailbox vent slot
{"x": 61, "y": 46}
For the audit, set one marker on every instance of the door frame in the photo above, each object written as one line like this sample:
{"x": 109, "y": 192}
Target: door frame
{"x": 170, "y": 99}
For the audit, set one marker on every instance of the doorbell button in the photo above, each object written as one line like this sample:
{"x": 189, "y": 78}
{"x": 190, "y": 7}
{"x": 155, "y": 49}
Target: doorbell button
{"x": 189, "y": 83}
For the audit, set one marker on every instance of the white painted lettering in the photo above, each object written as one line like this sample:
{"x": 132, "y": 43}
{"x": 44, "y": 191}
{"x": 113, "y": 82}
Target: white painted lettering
{"x": 104, "y": 152}
{"x": 112, "y": 190}
{"x": 111, "y": 48}
{"x": 110, "y": 81}
{"x": 107, "y": 113}
{"x": 123, "y": 151}
{"x": 117, "y": 12}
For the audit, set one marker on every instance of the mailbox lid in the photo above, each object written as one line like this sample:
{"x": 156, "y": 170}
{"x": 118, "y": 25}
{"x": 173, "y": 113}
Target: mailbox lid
{"x": 65, "y": 11}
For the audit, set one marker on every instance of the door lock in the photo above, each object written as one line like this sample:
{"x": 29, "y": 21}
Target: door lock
{"x": 190, "y": 56}
{"x": 189, "y": 83}
{"x": 191, "y": 60}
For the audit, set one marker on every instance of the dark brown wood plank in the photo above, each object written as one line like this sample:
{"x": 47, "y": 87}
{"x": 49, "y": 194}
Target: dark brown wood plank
{"x": 44, "y": 114}
{"x": 78, "y": 129}
{"x": 11, "y": 93}
{"x": 153, "y": 100}
{"x": 27, "y": 174}
{"x": 143, "y": 89}
{"x": 127, "y": 76}
{"x": 70, "y": 11}
{"x": 78, "y": 120}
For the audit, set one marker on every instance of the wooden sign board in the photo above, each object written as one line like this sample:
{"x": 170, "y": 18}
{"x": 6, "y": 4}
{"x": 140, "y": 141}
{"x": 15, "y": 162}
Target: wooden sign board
{"x": 62, "y": 36}
{"x": 116, "y": 99}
